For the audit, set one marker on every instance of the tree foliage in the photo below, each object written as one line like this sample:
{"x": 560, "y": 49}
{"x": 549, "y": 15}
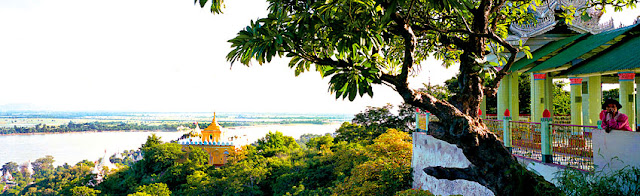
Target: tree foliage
{"x": 47, "y": 180}
{"x": 273, "y": 165}
{"x": 274, "y": 143}
{"x": 156, "y": 189}
{"x": 611, "y": 94}
{"x": 561, "y": 99}
{"x": 9, "y": 167}
{"x": 362, "y": 43}
{"x": 84, "y": 191}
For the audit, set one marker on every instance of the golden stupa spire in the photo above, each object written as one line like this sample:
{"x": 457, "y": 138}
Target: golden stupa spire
{"x": 214, "y": 126}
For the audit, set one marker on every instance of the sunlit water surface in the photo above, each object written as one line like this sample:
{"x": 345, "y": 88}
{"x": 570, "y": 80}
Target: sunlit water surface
{"x": 74, "y": 147}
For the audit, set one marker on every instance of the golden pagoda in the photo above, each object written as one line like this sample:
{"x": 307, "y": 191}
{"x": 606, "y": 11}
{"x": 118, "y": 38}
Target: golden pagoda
{"x": 212, "y": 132}
{"x": 211, "y": 143}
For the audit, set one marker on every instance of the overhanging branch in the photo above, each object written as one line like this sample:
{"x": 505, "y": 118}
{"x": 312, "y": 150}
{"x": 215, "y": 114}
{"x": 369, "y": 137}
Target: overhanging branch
{"x": 491, "y": 88}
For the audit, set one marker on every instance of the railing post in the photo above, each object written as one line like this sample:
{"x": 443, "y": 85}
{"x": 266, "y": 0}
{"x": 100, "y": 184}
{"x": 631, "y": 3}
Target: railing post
{"x": 599, "y": 124}
{"x": 418, "y": 119}
{"x": 545, "y": 136}
{"x": 506, "y": 131}
{"x": 426, "y": 121}
{"x": 422, "y": 123}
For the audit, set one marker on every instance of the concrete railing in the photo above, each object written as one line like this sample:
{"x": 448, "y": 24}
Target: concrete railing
{"x": 615, "y": 150}
{"x": 580, "y": 147}
{"x": 560, "y": 144}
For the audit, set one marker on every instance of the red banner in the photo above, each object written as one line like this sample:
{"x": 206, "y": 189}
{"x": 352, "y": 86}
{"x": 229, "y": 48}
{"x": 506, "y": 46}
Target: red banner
{"x": 575, "y": 81}
{"x": 626, "y": 76}
{"x": 540, "y": 76}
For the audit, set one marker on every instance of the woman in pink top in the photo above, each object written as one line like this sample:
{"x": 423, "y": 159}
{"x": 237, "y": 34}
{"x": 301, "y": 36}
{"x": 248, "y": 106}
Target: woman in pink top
{"x": 611, "y": 118}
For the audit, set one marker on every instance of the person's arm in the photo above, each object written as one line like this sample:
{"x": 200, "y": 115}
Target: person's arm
{"x": 609, "y": 122}
{"x": 620, "y": 123}
{"x": 605, "y": 118}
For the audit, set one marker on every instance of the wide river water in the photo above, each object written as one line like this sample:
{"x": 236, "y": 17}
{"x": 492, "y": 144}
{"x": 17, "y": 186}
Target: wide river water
{"x": 74, "y": 147}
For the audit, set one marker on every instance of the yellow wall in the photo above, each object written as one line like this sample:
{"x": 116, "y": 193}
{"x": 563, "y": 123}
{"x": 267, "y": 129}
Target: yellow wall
{"x": 211, "y": 136}
{"x": 216, "y": 152}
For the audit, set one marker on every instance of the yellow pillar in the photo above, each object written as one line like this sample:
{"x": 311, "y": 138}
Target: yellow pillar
{"x": 532, "y": 92}
{"x": 503, "y": 96}
{"x": 595, "y": 100}
{"x": 627, "y": 97}
{"x": 548, "y": 96}
{"x": 538, "y": 96}
{"x": 585, "y": 101}
{"x": 637, "y": 107}
{"x": 576, "y": 101}
{"x": 514, "y": 98}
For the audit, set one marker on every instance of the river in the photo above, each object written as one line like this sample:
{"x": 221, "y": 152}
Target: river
{"x": 74, "y": 147}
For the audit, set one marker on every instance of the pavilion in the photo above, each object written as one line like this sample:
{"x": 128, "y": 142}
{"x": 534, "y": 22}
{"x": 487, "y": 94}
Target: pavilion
{"x": 587, "y": 60}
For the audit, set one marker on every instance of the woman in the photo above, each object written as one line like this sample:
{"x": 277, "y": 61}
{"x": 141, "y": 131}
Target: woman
{"x": 611, "y": 118}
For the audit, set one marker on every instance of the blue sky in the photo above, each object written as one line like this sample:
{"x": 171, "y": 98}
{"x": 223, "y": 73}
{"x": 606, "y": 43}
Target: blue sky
{"x": 154, "y": 55}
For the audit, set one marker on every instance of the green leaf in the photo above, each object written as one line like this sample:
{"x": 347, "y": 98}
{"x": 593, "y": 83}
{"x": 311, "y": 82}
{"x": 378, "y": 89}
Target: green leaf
{"x": 585, "y": 16}
{"x": 202, "y": 2}
{"x": 353, "y": 91}
{"x": 526, "y": 52}
{"x": 370, "y": 91}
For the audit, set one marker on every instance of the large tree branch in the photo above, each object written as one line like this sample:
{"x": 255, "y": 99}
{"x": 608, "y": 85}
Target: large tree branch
{"x": 321, "y": 61}
{"x": 492, "y": 88}
{"x": 469, "y": 173}
{"x": 409, "y": 42}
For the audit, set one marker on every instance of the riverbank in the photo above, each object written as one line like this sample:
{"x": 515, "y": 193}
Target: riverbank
{"x": 165, "y": 130}
{"x": 92, "y": 131}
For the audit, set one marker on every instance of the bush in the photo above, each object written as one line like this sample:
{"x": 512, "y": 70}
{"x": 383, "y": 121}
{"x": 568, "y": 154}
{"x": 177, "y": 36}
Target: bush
{"x": 414, "y": 192}
{"x": 622, "y": 182}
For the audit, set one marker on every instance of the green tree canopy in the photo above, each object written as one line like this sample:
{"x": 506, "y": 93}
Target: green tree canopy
{"x": 274, "y": 143}
{"x": 362, "y": 43}
{"x": 9, "y": 167}
{"x": 156, "y": 189}
{"x": 84, "y": 191}
{"x": 43, "y": 164}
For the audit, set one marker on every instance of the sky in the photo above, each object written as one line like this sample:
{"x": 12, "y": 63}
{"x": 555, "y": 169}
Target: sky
{"x": 155, "y": 56}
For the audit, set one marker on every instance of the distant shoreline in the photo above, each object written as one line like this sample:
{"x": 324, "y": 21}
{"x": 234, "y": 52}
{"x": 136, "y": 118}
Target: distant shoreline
{"x": 94, "y": 131}
{"x": 158, "y": 130}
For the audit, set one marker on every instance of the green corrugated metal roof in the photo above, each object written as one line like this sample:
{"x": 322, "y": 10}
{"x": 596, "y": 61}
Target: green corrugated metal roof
{"x": 623, "y": 57}
{"x": 548, "y": 48}
{"x": 578, "y": 49}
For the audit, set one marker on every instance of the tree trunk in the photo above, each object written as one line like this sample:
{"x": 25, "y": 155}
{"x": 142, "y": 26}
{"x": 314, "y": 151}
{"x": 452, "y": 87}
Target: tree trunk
{"x": 492, "y": 164}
